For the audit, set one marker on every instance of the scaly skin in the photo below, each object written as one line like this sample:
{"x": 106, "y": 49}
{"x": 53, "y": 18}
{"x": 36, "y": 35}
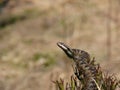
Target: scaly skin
{"x": 85, "y": 72}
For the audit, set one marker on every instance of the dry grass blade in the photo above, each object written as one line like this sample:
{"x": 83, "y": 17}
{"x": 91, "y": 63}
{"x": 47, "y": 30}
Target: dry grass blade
{"x": 88, "y": 73}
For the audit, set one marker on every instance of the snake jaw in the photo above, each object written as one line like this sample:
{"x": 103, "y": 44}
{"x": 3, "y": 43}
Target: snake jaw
{"x": 66, "y": 49}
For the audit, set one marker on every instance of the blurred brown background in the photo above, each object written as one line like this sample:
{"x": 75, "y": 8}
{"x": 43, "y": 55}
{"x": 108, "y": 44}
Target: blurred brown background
{"x": 30, "y": 29}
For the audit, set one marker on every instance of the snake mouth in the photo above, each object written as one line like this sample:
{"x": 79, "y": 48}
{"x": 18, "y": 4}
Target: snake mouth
{"x": 63, "y": 46}
{"x": 66, "y": 49}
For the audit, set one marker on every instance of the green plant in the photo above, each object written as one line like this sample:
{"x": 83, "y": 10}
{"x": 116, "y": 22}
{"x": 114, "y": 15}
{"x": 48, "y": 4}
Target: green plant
{"x": 49, "y": 58}
{"x": 89, "y": 74}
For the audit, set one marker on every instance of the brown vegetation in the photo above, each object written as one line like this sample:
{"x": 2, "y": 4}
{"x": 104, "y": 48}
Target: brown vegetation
{"x": 29, "y": 58}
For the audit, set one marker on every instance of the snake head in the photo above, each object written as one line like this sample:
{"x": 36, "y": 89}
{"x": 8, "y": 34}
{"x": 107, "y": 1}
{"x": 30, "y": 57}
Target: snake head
{"x": 66, "y": 49}
{"x": 75, "y": 54}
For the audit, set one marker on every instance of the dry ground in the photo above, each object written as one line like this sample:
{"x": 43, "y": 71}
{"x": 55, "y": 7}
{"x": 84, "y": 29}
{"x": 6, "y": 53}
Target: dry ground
{"x": 29, "y": 56}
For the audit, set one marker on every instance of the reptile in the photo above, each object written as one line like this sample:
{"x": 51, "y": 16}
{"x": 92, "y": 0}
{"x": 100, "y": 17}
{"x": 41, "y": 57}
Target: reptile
{"x": 85, "y": 71}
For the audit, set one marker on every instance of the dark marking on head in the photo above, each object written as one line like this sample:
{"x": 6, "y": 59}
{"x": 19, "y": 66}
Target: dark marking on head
{"x": 66, "y": 49}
